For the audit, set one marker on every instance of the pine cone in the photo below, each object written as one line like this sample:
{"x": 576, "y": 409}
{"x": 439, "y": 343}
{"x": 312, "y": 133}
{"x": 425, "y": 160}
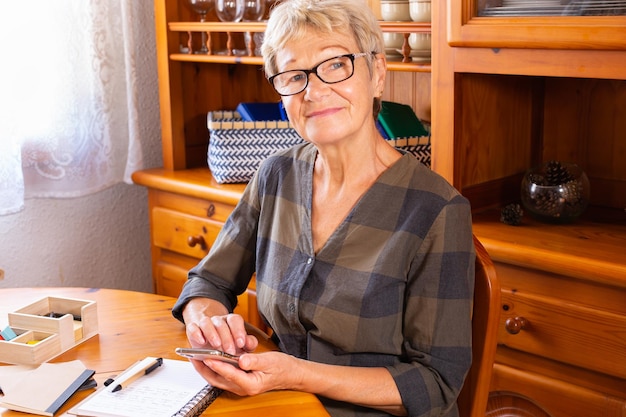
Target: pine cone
{"x": 512, "y": 214}
{"x": 537, "y": 178}
{"x": 550, "y": 203}
{"x": 557, "y": 174}
{"x": 573, "y": 195}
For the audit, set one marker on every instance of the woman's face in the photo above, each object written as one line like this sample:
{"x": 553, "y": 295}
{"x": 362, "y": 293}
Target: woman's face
{"x": 329, "y": 113}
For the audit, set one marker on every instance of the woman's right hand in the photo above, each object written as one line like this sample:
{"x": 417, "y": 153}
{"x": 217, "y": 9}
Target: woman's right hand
{"x": 210, "y": 325}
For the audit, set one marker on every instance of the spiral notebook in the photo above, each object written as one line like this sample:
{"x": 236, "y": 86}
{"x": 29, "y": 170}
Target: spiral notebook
{"x": 175, "y": 389}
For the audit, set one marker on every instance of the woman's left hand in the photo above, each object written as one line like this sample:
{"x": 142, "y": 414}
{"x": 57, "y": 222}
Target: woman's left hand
{"x": 257, "y": 373}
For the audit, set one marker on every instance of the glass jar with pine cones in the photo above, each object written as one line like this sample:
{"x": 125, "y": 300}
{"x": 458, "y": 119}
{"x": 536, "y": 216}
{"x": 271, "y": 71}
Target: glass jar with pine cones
{"x": 556, "y": 192}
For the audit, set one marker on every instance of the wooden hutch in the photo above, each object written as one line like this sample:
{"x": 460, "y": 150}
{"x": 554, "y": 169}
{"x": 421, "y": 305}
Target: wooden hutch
{"x": 507, "y": 93}
{"x": 510, "y": 92}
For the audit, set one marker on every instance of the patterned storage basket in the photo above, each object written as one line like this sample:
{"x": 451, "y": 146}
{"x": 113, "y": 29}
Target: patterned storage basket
{"x": 236, "y": 148}
{"x": 417, "y": 146}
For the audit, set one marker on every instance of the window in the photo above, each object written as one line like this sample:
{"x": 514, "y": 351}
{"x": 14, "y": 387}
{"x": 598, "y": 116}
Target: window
{"x": 68, "y": 99}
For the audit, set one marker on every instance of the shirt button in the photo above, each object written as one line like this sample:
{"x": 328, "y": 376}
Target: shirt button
{"x": 309, "y": 261}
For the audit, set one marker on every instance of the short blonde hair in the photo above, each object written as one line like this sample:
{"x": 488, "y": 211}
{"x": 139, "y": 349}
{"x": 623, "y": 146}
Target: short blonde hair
{"x": 289, "y": 20}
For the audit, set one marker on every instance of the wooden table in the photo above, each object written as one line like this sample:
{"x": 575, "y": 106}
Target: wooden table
{"x": 133, "y": 325}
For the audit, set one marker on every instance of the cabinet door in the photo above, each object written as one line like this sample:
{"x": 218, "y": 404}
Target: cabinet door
{"x": 526, "y": 24}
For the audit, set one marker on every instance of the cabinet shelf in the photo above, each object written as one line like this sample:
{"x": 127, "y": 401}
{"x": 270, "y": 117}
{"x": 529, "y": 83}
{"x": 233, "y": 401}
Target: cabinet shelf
{"x": 216, "y": 27}
{"x": 257, "y": 60}
{"x": 404, "y": 27}
{"x": 591, "y": 248}
{"x": 538, "y": 62}
{"x": 229, "y": 28}
{"x": 218, "y": 59}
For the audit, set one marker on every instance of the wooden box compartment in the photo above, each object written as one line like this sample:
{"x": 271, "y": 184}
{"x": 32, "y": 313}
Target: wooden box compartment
{"x": 18, "y": 350}
{"x": 73, "y": 322}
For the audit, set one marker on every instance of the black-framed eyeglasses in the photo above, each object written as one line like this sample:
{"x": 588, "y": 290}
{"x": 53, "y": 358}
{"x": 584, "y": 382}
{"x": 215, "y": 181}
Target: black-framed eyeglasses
{"x": 330, "y": 71}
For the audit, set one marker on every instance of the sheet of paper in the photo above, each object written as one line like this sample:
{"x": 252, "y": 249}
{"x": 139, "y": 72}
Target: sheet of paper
{"x": 160, "y": 393}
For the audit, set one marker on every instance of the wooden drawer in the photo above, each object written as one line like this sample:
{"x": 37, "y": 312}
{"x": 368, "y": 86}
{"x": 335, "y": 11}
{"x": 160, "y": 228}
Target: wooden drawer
{"x": 183, "y": 233}
{"x": 171, "y": 278}
{"x": 206, "y": 209}
{"x": 557, "y": 397}
{"x": 567, "y": 332}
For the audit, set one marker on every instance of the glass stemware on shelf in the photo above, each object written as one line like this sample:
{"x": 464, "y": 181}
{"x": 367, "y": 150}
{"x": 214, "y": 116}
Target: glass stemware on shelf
{"x": 202, "y": 7}
{"x": 253, "y": 11}
{"x": 230, "y": 11}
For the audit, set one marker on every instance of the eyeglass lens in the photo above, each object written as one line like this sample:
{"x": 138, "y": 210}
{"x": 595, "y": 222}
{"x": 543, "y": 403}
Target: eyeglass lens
{"x": 331, "y": 71}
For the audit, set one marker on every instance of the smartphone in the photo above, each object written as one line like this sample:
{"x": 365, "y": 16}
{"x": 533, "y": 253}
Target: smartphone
{"x": 201, "y": 354}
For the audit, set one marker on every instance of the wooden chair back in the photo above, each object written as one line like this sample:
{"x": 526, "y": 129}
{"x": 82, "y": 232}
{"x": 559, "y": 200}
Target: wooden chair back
{"x": 473, "y": 398}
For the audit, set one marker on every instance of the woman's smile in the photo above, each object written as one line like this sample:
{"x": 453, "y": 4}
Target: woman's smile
{"x": 329, "y": 111}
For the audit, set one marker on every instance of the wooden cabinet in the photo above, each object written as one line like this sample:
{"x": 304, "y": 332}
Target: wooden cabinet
{"x": 187, "y": 206}
{"x": 509, "y": 93}
{"x": 563, "y": 318}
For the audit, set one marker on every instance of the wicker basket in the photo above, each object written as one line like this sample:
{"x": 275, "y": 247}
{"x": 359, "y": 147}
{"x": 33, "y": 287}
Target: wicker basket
{"x": 236, "y": 148}
{"x": 419, "y": 147}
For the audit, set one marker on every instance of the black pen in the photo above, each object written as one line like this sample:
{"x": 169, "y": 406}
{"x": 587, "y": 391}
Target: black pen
{"x": 144, "y": 370}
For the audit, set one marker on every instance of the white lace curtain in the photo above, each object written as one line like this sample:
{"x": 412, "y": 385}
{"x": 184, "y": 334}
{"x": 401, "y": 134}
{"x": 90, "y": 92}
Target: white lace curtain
{"x": 68, "y": 99}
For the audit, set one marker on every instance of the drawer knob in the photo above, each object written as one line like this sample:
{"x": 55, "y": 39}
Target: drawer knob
{"x": 514, "y": 325}
{"x": 210, "y": 211}
{"x": 192, "y": 241}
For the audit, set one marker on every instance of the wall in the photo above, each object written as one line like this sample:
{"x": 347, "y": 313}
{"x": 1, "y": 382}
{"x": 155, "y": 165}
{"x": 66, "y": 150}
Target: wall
{"x": 100, "y": 240}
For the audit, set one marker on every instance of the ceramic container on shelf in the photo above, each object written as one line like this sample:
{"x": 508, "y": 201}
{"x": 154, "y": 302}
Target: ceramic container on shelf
{"x": 393, "y": 40}
{"x": 419, "y": 10}
{"x": 395, "y": 10}
{"x": 393, "y": 44}
{"x": 420, "y": 41}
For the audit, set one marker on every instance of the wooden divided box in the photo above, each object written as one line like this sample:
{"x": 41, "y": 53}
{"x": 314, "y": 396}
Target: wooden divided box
{"x": 47, "y": 328}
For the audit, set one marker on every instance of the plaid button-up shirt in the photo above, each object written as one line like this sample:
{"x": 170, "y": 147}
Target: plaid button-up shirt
{"x": 392, "y": 287}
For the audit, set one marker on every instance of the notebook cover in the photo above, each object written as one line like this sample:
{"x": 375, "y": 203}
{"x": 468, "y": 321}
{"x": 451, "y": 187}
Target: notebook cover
{"x": 252, "y": 112}
{"x": 399, "y": 121}
{"x": 54, "y": 384}
{"x": 75, "y": 386}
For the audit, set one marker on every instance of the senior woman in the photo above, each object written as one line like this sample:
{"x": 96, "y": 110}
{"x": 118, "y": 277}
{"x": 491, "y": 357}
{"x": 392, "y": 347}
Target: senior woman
{"x": 363, "y": 256}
